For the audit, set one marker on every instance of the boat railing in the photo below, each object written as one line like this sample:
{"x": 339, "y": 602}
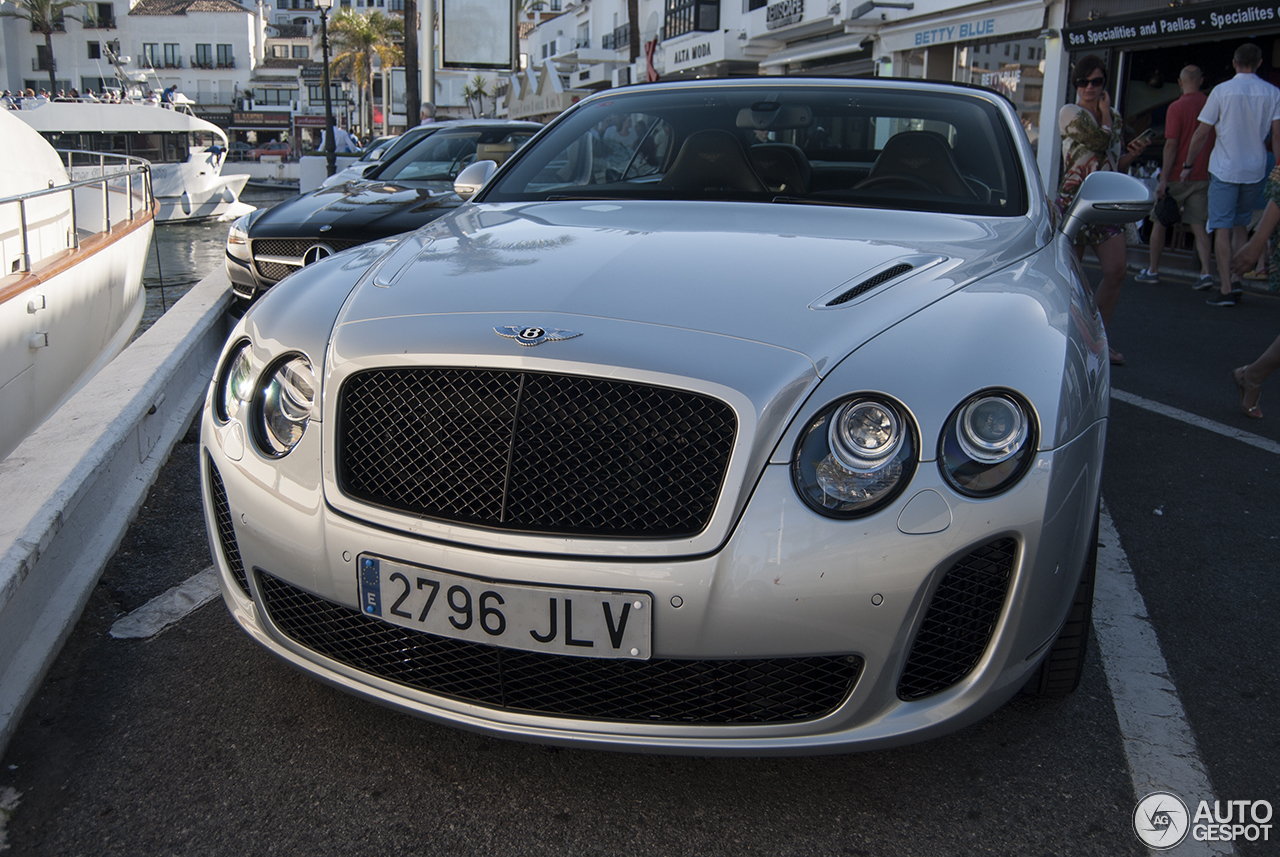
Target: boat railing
{"x": 117, "y": 173}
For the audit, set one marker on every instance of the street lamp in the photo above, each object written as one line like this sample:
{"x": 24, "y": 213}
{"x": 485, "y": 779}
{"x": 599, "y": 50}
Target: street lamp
{"x": 330, "y": 150}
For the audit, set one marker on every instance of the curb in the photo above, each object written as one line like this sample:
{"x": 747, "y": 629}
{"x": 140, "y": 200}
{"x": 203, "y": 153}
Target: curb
{"x": 73, "y": 486}
{"x": 1181, "y": 266}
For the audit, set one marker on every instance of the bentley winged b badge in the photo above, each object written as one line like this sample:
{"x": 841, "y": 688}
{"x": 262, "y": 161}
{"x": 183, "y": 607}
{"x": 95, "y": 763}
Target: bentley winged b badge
{"x": 531, "y": 336}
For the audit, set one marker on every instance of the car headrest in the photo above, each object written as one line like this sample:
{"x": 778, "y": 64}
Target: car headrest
{"x": 712, "y": 160}
{"x": 782, "y": 166}
{"x": 926, "y": 155}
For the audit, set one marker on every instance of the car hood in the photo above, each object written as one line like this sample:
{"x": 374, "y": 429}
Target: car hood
{"x": 355, "y": 209}
{"x": 778, "y": 275}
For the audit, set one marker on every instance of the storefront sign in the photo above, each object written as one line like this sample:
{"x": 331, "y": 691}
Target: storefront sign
{"x": 979, "y": 28}
{"x": 260, "y": 120}
{"x": 1002, "y": 81}
{"x": 997, "y": 22}
{"x": 700, "y": 51}
{"x": 1204, "y": 22}
{"x": 784, "y": 14}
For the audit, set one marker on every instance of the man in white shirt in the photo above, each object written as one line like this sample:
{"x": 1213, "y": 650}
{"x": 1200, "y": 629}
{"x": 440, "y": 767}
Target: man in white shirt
{"x": 343, "y": 143}
{"x": 1242, "y": 111}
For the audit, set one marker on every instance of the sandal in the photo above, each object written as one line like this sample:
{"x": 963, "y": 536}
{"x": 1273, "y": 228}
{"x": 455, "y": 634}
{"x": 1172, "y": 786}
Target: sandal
{"x": 1254, "y": 411}
{"x": 1117, "y": 359}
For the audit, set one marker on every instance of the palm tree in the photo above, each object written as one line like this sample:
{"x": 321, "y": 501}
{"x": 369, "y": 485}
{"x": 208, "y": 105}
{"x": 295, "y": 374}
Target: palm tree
{"x": 356, "y": 38}
{"x": 46, "y": 16}
{"x": 476, "y": 89}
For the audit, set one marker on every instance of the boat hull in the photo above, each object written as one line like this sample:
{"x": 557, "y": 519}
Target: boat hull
{"x": 64, "y": 321}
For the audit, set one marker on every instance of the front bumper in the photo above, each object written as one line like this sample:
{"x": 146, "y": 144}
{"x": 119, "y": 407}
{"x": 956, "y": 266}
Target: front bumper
{"x": 787, "y": 584}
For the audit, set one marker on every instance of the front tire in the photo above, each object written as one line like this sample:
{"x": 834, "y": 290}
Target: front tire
{"x": 1063, "y": 667}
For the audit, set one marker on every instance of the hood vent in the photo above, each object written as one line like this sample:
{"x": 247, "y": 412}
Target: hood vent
{"x": 870, "y": 283}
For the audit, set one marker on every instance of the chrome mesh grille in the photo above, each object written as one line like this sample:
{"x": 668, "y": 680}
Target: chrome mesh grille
{"x": 292, "y": 247}
{"x": 273, "y": 271}
{"x": 226, "y": 532}
{"x": 534, "y": 452}
{"x": 776, "y": 690}
{"x": 961, "y": 619}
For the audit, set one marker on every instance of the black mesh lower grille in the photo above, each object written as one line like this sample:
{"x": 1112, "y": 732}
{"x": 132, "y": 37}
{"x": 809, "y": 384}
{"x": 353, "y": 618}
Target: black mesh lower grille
{"x": 960, "y": 621}
{"x": 534, "y": 452}
{"x": 780, "y": 690}
{"x": 226, "y": 533}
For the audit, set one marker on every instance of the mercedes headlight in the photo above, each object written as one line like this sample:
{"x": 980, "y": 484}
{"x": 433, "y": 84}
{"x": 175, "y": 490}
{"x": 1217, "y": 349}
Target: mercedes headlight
{"x": 988, "y": 443}
{"x": 855, "y": 457}
{"x": 286, "y": 403}
{"x": 234, "y": 389}
{"x": 238, "y": 238}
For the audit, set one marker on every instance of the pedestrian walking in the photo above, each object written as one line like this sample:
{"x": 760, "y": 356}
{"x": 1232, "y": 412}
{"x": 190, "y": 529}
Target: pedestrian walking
{"x": 1092, "y": 140}
{"x": 1242, "y": 112}
{"x": 1192, "y": 195}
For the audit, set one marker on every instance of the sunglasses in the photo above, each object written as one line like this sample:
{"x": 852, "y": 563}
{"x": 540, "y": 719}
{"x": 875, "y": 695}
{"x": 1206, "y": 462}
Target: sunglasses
{"x": 1086, "y": 82}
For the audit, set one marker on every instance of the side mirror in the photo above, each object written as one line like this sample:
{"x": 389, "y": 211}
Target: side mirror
{"x": 1107, "y": 198}
{"x": 473, "y": 177}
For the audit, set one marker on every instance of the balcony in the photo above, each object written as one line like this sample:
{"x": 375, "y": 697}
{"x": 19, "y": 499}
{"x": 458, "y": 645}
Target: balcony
{"x": 227, "y": 63}
{"x": 99, "y": 22}
{"x": 174, "y": 62}
{"x": 618, "y": 40}
{"x": 44, "y": 64}
{"x": 59, "y": 26}
{"x": 201, "y": 62}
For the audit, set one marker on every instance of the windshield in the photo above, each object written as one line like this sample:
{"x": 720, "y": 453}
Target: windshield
{"x": 439, "y": 157}
{"x": 844, "y": 145}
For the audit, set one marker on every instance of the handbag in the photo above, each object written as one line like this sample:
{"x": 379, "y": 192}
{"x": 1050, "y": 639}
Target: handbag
{"x": 1166, "y": 211}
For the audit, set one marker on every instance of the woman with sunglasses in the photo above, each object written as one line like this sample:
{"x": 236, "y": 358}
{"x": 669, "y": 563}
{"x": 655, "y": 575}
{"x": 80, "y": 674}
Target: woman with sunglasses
{"x": 1091, "y": 141}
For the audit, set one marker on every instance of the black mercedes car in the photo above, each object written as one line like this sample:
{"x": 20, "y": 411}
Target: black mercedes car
{"x": 403, "y": 192}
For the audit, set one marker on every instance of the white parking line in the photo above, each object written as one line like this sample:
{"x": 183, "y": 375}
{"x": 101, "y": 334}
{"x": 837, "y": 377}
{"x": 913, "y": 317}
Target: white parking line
{"x": 166, "y": 609}
{"x": 1197, "y": 421}
{"x": 1158, "y": 741}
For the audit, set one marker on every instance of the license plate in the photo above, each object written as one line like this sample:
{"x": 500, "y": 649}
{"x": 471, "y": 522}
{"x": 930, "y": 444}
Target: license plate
{"x": 584, "y": 623}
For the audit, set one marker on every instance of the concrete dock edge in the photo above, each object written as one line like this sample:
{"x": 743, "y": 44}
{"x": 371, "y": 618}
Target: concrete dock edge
{"x": 70, "y": 490}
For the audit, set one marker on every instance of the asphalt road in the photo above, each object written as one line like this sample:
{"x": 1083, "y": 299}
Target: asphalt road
{"x": 197, "y": 742}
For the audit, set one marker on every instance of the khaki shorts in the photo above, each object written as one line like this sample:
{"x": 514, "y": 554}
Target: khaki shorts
{"x": 1192, "y": 198}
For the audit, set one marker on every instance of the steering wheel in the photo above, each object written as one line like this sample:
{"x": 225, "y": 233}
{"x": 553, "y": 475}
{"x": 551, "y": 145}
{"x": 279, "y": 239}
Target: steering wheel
{"x": 898, "y": 179}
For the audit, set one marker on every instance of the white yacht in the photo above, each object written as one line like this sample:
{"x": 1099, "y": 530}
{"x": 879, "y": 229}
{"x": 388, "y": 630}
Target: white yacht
{"x": 186, "y": 153}
{"x": 73, "y": 252}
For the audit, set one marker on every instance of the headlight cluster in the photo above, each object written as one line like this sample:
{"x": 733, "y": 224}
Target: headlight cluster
{"x": 276, "y": 405}
{"x": 987, "y": 445}
{"x": 857, "y": 455}
{"x": 238, "y": 237}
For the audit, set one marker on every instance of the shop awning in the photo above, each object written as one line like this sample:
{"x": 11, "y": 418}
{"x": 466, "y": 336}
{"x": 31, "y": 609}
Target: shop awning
{"x": 810, "y": 51}
{"x": 970, "y": 24}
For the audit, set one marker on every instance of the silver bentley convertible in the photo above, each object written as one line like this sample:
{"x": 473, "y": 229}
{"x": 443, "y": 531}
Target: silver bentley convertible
{"x": 761, "y": 416}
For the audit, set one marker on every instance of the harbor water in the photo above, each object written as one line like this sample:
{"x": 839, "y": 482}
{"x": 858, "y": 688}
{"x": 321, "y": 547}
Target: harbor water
{"x": 183, "y": 254}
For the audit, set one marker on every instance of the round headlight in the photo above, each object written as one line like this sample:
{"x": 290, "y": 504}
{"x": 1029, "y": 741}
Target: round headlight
{"x": 854, "y": 457}
{"x": 992, "y": 428}
{"x": 988, "y": 444}
{"x": 235, "y": 384}
{"x": 288, "y": 398}
{"x": 864, "y": 435}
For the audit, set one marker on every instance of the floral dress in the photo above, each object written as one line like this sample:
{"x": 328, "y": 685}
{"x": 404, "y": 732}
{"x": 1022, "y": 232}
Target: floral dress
{"x": 1272, "y": 192}
{"x": 1086, "y": 148}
